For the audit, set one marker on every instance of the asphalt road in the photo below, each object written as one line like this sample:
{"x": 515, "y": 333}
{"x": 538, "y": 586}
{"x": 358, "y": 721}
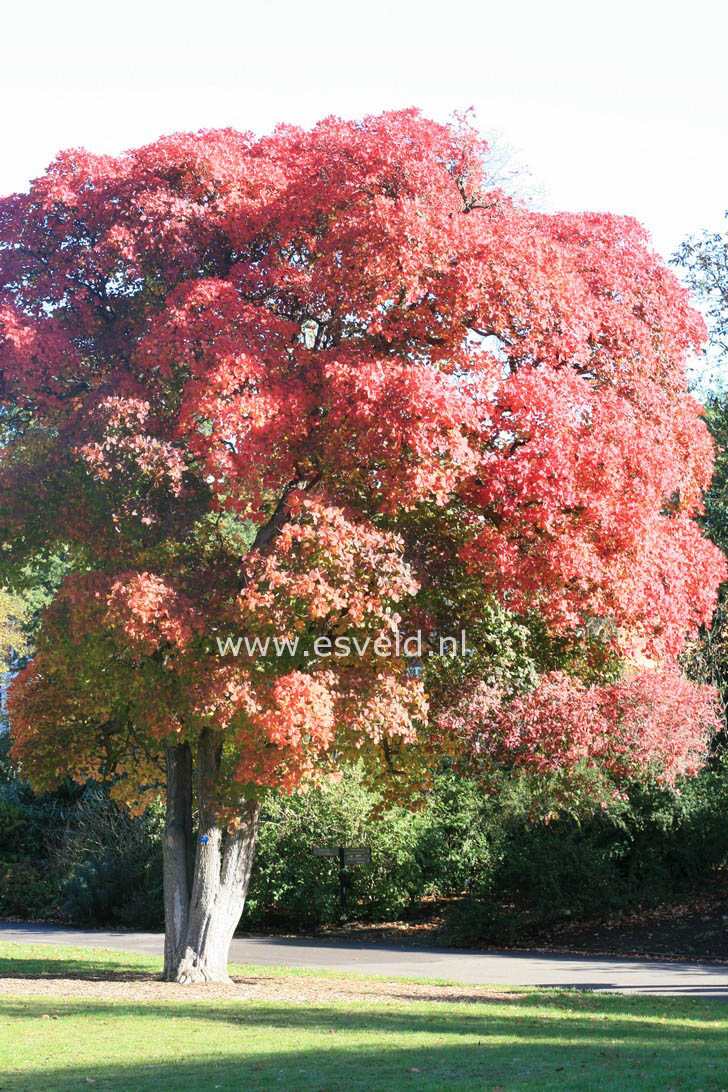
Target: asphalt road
{"x": 647, "y": 976}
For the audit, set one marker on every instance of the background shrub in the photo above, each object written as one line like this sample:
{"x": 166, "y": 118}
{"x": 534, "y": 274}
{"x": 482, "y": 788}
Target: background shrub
{"x": 74, "y": 856}
{"x": 112, "y": 864}
{"x": 655, "y": 846}
{"x": 291, "y": 886}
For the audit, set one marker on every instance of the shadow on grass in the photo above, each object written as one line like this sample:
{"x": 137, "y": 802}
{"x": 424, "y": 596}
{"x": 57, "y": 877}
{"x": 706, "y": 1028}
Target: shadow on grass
{"x": 602, "y": 1019}
{"x": 87, "y": 967}
{"x": 552, "y": 1042}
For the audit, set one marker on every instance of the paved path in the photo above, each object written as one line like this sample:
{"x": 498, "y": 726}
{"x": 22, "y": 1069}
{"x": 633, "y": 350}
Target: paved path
{"x": 648, "y": 976}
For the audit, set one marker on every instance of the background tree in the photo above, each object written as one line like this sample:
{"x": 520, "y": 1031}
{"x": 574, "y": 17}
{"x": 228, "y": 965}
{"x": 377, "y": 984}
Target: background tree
{"x": 323, "y": 385}
{"x": 704, "y": 259}
{"x": 13, "y": 628}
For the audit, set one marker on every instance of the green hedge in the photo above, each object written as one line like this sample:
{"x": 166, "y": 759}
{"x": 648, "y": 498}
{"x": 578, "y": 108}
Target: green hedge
{"x": 73, "y": 856}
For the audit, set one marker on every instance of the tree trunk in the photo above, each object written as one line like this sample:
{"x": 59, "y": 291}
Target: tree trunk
{"x": 223, "y": 862}
{"x": 177, "y": 852}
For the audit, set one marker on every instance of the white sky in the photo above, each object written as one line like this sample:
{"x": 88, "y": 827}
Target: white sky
{"x": 620, "y": 106}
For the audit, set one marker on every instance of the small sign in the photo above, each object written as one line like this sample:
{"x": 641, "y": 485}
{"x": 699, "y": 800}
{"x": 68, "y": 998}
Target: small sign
{"x": 347, "y": 856}
{"x": 361, "y": 856}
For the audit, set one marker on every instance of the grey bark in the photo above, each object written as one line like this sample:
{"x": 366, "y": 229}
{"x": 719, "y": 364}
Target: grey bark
{"x": 223, "y": 862}
{"x": 177, "y": 854}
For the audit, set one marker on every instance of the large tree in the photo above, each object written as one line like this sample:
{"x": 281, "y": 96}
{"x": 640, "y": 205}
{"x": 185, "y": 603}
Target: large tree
{"x": 327, "y": 385}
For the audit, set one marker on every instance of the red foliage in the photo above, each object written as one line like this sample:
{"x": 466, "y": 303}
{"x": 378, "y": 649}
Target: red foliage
{"x": 313, "y": 332}
{"x": 151, "y": 613}
{"x": 653, "y": 719}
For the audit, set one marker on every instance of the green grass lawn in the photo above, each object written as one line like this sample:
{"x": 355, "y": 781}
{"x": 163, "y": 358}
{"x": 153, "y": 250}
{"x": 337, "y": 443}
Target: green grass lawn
{"x": 538, "y": 1040}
